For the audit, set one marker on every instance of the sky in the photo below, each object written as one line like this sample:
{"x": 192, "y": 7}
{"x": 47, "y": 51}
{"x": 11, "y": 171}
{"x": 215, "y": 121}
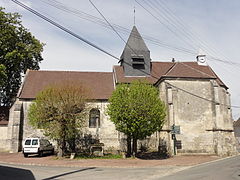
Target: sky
{"x": 171, "y": 29}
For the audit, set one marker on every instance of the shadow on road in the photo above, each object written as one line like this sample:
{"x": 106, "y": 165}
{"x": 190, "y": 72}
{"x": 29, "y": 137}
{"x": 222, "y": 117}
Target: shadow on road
{"x": 11, "y": 173}
{"x": 72, "y": 172}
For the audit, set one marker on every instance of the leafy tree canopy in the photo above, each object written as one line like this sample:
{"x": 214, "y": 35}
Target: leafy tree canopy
{"x": 3, "y": 75}
{"x": 60, "y": 111}
{"x": 19, "y": 51}
{"x": 136, "y": 110}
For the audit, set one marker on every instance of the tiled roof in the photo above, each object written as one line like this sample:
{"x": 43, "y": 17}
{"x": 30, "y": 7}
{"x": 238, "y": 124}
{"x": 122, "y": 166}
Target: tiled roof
{"x": 99, "y": 83}
{"x": 157, "y": 71}
{"x": 161, "y": 70}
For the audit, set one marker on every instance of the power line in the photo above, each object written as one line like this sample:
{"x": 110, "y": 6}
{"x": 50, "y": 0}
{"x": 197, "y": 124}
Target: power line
{"x": 200, "y": 97}
{"x": 96, "y": 20}
{"x": 72, "y": 33}
{"x": 119, "y": 35}
{"x": 132, "y": 49}
{"x": 124, "y": 30}
{"x": 112, "y": 27}
{"x": 93, "y": 45}
{"x": 151, "y": 75}
{"x": 163, "y": 24}
{"x": 169, "y": 16}
{"x": 179, "y": 24}
{"x": 179, "y": 31}
{"x": 63, "y": 28}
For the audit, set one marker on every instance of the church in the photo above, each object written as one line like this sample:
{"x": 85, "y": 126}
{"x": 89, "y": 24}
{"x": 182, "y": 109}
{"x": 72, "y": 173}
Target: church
{"x": 198, "y": 121}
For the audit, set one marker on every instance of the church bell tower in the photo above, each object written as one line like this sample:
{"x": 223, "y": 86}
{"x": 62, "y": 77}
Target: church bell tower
{"x": 135, "y": 58}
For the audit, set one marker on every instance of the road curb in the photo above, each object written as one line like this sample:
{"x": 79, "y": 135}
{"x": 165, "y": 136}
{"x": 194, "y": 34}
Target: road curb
{"x": 76, "y": 166}
{"x": 105, "y": 165}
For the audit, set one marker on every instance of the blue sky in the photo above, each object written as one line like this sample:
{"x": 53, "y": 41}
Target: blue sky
{"x": 212, "y": 25}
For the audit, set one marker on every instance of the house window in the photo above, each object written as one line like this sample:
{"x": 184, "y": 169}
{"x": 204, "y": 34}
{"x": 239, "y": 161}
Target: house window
{"x": 94, "y": 118}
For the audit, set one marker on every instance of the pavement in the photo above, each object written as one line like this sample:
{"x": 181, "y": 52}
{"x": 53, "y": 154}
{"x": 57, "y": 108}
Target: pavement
{"x": 29, "y": 172}
{"x": 14, "y": 166}
{"x": 17, "y": 158}
{"x": 224, "y": 169}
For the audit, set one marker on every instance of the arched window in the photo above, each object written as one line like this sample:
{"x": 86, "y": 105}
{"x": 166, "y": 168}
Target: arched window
{"x": 94, "y": 118}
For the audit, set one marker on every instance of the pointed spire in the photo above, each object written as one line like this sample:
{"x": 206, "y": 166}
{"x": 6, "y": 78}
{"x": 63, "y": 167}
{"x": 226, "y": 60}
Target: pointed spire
{"x": 135, "y": 41}
{"x": 136, "y": 54}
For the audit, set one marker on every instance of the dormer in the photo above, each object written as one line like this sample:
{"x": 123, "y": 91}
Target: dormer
{"x": 135, "y": 58}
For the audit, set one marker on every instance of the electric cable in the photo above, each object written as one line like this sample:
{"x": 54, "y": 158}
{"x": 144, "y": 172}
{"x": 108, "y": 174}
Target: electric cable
{"x": 94, "y": 19}
{"x": 93, "y": 45}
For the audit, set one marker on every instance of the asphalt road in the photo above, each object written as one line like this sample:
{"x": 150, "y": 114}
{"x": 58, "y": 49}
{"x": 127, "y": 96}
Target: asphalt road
{"x": 27, "y": 172}
{"x": 226, "y": 169}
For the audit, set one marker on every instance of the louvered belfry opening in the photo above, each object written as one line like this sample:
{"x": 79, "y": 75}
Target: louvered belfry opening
{"x": 135, "y": 58}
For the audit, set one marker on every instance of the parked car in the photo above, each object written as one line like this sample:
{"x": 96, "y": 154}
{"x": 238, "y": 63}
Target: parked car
{"x": 37, "y": 146}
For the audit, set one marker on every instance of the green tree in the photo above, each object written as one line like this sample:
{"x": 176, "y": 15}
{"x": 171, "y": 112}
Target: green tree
{"x": 19, "y": 51}
{"x": 60, "y": 111}
{"x": 137, "y": 111}
{"x": 3, "y": 75}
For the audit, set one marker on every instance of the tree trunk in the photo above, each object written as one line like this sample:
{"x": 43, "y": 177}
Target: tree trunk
{"x": 134, "y": 147}
{"x": 60, "y": 153}
{"x": 73, "y": 145}
{"x": 73, "y": 140}
{"x": 129, "y": 147}
{"x": 61, "y": 148}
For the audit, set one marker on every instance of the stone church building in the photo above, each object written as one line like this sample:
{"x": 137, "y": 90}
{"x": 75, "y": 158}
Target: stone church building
{"x": 198, "y": 120}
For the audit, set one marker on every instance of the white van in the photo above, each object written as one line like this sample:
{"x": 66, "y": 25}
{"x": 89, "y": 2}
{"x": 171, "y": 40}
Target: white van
{"x": 37, "y": 146}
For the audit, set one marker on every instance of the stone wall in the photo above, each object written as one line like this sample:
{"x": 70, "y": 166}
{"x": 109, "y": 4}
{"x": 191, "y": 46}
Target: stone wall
{"x": 14, "y": 126}
{"x": 204, "y": 119}
{"x": 3, "y": 138}
{"x": 19, "y": 127}
{"x": 203, "y": 123}
{"x": 237, "y": 136}
{"x": 107, "y": 132}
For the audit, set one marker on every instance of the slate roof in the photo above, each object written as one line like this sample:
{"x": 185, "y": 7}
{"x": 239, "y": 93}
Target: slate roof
{"x": 99, "y": 83}
{"x": 135, "y": 42}
{"x": 160, "y": 70}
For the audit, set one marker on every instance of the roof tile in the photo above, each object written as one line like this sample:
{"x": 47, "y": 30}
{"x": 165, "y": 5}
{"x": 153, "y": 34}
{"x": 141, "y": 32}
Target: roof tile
{"x": 99, "y": 83}
{"x": 161, "y": 70}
